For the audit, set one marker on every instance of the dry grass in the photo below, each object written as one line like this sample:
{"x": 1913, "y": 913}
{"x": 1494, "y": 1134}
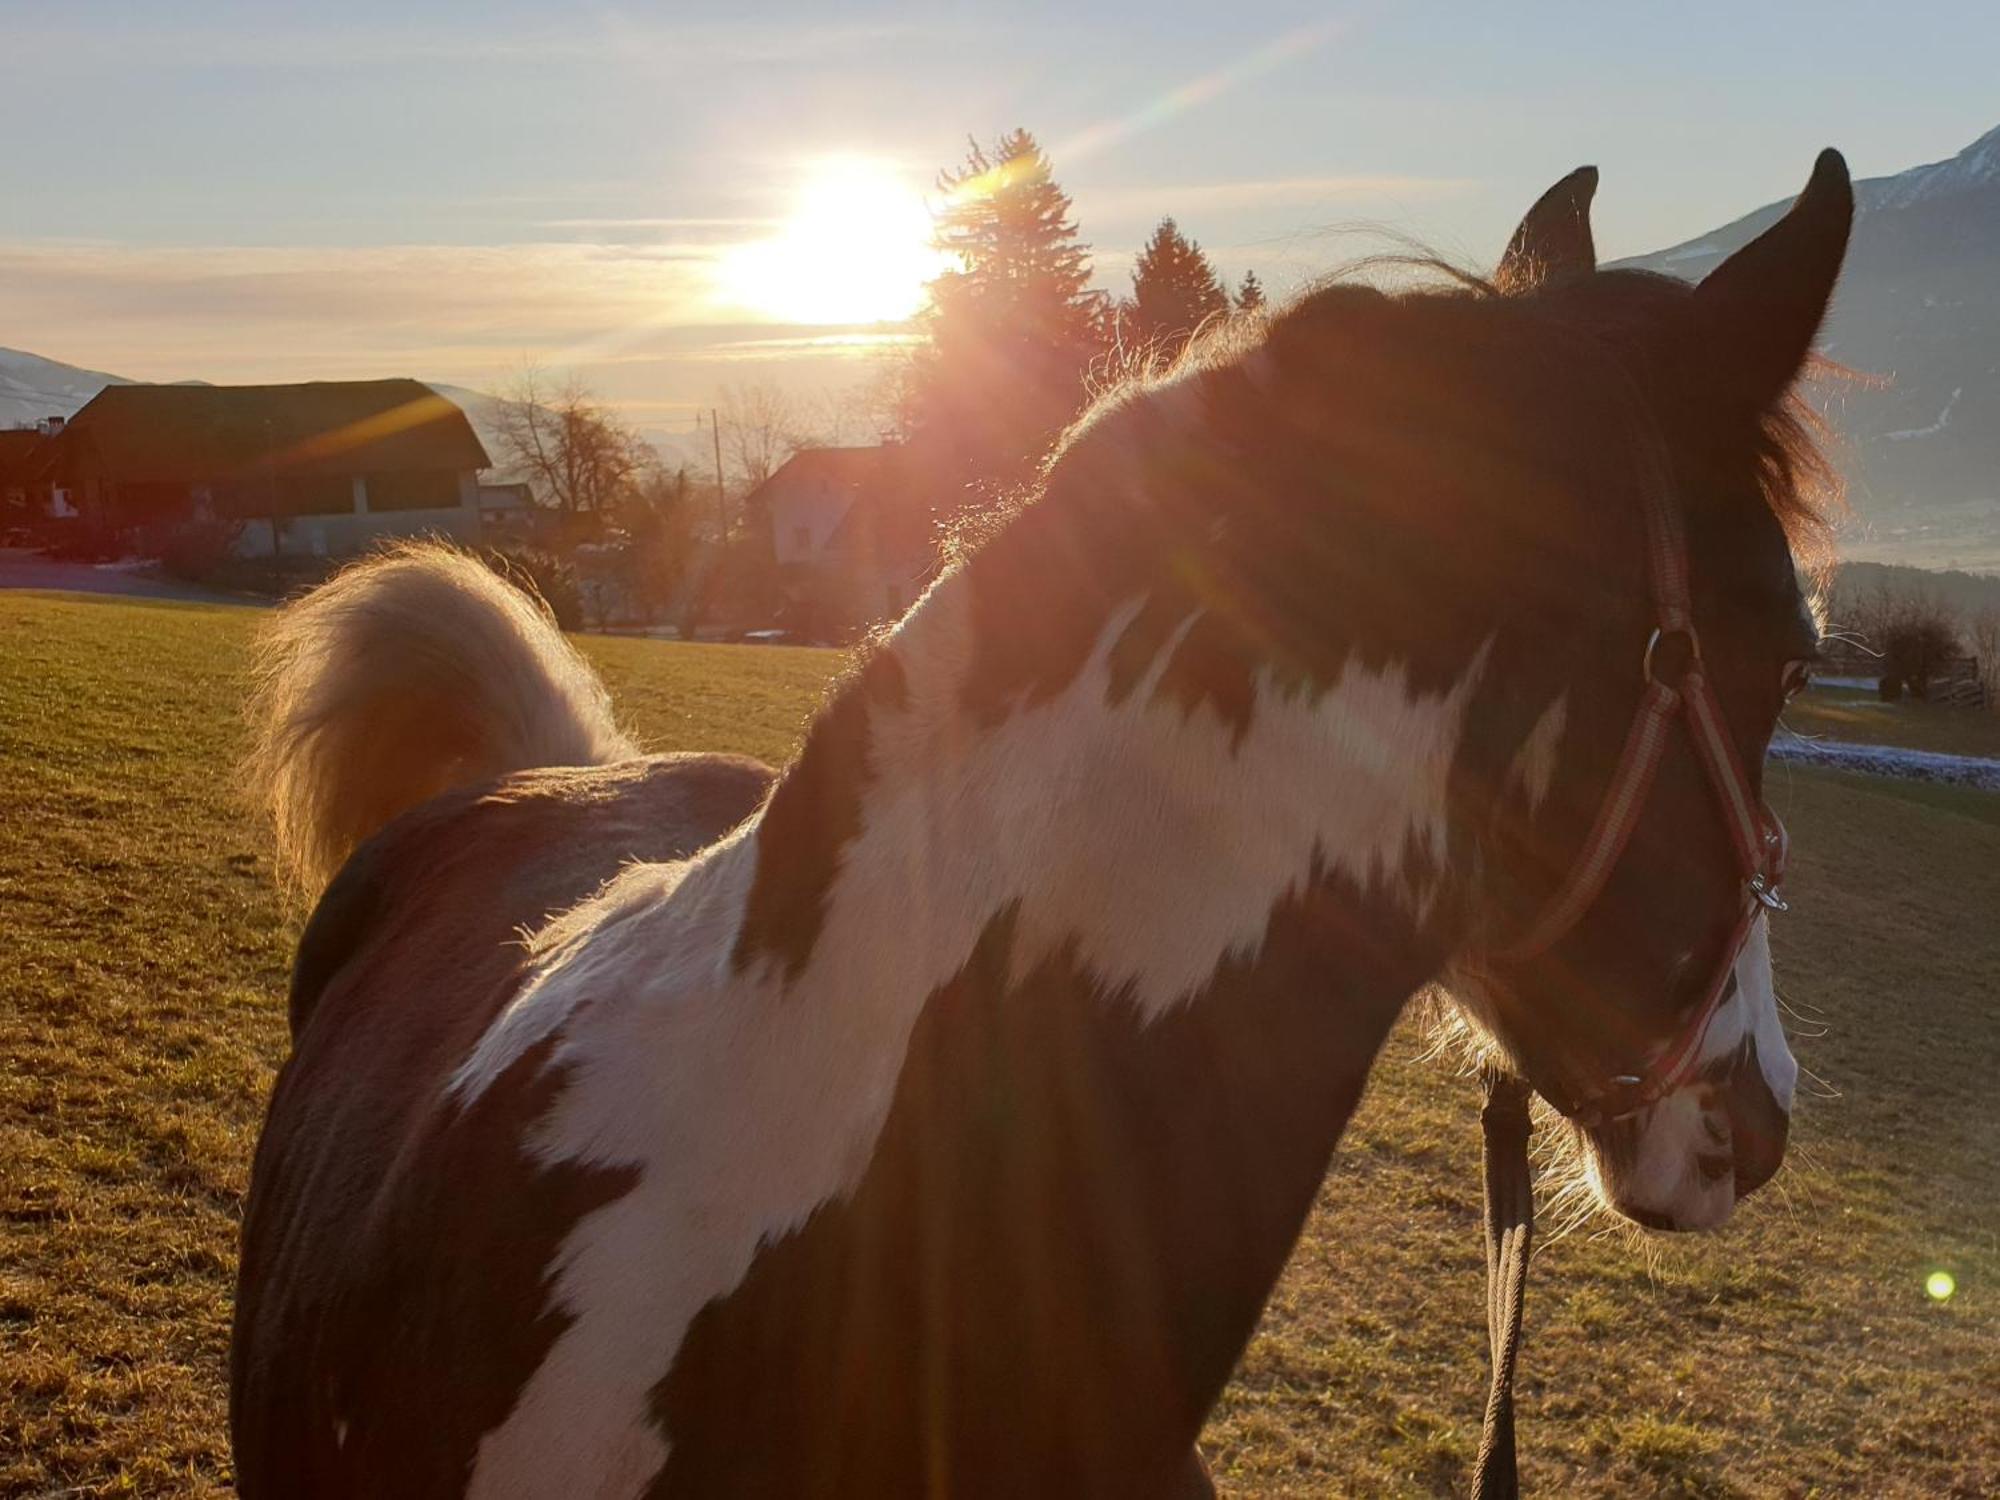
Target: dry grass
{"x": 141, "y": 1021}
{"x": 1861, "y": 717}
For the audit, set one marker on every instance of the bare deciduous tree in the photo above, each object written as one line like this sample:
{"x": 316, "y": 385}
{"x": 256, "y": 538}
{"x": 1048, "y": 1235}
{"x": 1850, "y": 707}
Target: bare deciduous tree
{"x": 1915, "y": 632}
{"x": 575, "y": 454}
{"x": 762, "y": 426}
{"x": 1982, "y": 632}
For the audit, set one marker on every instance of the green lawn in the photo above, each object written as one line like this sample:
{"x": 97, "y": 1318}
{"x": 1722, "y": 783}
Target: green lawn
{"x": 1860, "y": 716}
{"x": 141, "y": 974}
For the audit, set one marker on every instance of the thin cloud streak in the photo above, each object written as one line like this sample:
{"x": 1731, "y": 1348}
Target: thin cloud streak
{"x": 658, "y": 223}
{"x": 44, "y": 47}
{"x": 641, "y": 321}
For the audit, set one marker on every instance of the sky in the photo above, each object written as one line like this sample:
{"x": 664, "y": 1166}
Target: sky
{"x": 447, "y": 190}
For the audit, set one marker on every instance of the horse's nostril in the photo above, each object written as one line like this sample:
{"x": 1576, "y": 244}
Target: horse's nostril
{"x": 1759, "y": 1154}
{"x": 1758, "y": 1124}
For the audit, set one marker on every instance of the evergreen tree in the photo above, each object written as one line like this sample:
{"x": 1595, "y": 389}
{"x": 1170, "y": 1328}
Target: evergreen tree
{"x": 1249, "y": 293}
{"x": 1174, "y": 290}
{"x": 1012, "y": 326}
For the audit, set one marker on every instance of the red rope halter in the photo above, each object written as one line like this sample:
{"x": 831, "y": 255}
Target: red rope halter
{"x": 1754, "y": 831}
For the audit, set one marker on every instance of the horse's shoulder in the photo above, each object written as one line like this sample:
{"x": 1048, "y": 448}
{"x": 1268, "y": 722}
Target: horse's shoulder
{"x": 521, "y": 847}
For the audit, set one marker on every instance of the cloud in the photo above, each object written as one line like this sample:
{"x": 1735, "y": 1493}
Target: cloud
{"x": 640, "y": 321}
{"x": 61, "y": 45}
{"x": 664, "y": 223}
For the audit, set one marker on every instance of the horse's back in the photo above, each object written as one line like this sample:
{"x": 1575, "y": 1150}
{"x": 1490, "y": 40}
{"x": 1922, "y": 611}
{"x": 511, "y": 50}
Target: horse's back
{"x": 361, "y": 1266}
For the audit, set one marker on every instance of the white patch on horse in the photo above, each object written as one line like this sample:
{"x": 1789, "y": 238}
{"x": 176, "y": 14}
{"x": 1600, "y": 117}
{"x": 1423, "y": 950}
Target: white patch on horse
{"x": 1663, "y": 1175}
{"x": 1752, "y": 1011}
{"x": 1533, "y": 768}
{"x": 1146, "y": 835}
{"x": 572, "y": 944}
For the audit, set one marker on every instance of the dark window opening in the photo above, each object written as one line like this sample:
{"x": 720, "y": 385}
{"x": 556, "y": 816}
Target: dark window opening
{"x": 435, "y": 489}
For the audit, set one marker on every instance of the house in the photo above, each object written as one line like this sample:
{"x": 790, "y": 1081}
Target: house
{"x": 321, "y": 468}
{"x": 852, "y": 533}
{"x": 23, "y": 495}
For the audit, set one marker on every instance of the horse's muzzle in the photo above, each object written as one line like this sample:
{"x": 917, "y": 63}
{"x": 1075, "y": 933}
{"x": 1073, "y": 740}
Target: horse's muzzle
{"x": 1758, "y": 1123}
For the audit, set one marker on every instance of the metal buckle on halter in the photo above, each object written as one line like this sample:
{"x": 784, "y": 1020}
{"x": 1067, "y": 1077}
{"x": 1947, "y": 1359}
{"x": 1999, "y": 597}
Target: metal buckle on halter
{"x": 1765, "y": 893}
{"x": 1662, "y": 632}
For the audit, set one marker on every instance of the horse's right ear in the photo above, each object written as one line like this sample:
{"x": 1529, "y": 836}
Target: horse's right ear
{"x": 1553, "y": 242}
{"x": 1759, "y": 311}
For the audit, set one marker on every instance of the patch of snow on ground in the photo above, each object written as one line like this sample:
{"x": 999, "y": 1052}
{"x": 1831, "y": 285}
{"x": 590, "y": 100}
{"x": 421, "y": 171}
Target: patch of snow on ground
{"x": 1980, "y": 772}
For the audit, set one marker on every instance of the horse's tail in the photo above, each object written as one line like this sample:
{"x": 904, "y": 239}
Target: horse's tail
{"x": 404, "y": 675}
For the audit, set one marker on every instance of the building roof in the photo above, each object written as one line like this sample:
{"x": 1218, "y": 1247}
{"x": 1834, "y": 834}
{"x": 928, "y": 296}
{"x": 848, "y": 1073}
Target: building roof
{"x": 183, "y": 433}
{"x": 892, "y": 494}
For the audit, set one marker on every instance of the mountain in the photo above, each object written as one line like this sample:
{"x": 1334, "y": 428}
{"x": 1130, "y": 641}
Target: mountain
{"x": 1918, "y": 314}
{"x": 32, "y": 387}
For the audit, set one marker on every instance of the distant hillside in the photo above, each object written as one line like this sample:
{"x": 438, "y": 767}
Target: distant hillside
{"x": 1919, "y": 307}
{"x": 32, "y": 388}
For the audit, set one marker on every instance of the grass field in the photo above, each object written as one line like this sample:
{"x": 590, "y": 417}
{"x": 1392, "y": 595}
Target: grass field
{"x": 1861, "y": 717}
{"x": 142, "y": 960}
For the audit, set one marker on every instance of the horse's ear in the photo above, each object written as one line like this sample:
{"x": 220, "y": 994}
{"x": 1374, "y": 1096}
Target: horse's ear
{"x": 1553, "y": 242}
{"x": 1760, "y": 309}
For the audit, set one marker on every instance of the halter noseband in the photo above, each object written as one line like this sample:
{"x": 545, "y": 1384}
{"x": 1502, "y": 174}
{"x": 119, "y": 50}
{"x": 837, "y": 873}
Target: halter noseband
{"x": 1754, "y": 831}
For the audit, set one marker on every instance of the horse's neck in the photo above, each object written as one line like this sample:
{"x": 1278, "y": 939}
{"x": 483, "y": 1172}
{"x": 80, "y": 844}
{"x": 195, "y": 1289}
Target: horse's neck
{"x": 1164, "y": 947}
{"x": 1153, "y": 840}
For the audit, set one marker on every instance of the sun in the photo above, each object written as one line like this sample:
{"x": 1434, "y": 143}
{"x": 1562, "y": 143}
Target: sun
{"x": 856, "y": 248}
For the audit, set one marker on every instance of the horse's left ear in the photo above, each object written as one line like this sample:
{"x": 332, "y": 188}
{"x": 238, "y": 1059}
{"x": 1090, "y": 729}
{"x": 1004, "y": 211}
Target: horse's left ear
{"x": 1553, "y": 242}
{"x": 1759, "y": 311}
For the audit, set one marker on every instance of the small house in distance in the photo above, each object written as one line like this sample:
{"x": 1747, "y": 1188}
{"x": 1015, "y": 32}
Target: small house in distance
{"x": 23, "y": 498}
{"x": 852, "y": 533}
{"x": 321, "y": 468}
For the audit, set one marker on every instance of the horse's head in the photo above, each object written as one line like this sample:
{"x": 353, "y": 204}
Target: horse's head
{"x": 1475, "y": 503}
{"x": 1627, "y": 964}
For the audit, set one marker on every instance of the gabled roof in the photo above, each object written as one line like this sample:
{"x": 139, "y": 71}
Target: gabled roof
{"x": 841, "y": 467}
{"x": 181, "y": 433}
{"x": 892, "y": 494}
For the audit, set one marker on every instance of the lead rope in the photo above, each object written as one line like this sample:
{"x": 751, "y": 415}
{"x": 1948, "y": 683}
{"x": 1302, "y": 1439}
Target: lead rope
{"x": 1510, "y": 1230}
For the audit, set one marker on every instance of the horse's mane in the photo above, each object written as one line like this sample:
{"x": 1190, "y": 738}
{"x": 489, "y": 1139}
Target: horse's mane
{"x": 1789, "y": 450}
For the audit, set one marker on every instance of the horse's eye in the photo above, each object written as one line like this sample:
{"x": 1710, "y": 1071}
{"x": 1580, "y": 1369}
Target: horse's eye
{"x": 1797, "y": 677}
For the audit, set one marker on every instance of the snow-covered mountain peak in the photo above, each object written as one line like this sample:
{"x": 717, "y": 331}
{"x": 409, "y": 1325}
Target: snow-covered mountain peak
{"x": 1975, "y": 168}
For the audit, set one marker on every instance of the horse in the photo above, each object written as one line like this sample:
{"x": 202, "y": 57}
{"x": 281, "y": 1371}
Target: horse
{"x": 936, "y": 1116}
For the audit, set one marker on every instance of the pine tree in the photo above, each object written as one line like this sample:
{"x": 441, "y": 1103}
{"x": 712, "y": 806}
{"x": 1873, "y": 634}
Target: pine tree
{"x": 1007, "y": 224}
{"x": 1013, "y": 325}
{"x": 1174, "y": 290}
{"x": 1249, "y": 293}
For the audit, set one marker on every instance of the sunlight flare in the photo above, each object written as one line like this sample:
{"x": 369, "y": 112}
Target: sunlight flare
{"x": 855, "y": 248}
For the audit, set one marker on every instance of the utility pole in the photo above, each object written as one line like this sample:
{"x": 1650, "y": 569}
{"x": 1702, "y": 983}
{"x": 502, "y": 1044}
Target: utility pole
{"x": 271, "y": 503}
{"x": 721, "y": 496}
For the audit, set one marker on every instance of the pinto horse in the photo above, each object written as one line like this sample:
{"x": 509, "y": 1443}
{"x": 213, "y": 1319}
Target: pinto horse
{"x": 936, "y": 1117}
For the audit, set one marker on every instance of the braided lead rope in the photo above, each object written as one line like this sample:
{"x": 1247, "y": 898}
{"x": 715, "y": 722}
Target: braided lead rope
{"x": 1510, "y": 1232}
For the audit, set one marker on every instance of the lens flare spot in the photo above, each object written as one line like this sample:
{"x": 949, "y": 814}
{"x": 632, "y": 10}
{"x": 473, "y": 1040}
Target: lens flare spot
{"x": 1940, "y": 1285}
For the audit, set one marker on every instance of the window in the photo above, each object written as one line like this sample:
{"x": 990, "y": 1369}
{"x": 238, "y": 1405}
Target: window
{"x": 434, "y": 489}
{"x": 316, "y": 495}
